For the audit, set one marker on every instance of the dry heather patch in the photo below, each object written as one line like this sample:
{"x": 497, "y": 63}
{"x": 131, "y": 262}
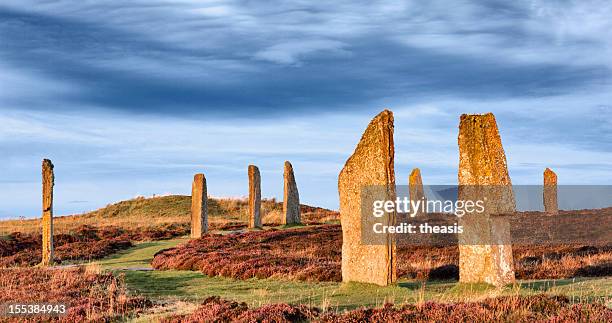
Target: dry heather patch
{"x": 314, "y": 254}
{"x": 155, "y": 212}
{"x": 565, "y": 261}
{"x": 89, "y": 296}
{"x": 537, "y": 308}
{"x": 309, "y": 253}
{"x": 85, "y": 243}
{"x": 104, "y": 237}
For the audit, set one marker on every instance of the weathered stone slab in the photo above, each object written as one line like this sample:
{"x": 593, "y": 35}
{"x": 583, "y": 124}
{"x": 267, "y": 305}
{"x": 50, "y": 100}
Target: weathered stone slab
{"x": 417, "y": 193}
{"x": 291, "y": 199}
{"x": 372, "y": 164}
{"x": 254, "y": 197}
{"x": 485, "y": 250}
{"x": 199, "y": 207}
{"x": 551, "y": 205}
{"x": 48, "y": 180}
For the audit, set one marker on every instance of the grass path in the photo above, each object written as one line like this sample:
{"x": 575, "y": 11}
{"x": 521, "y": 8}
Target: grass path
{"x": 137, "y": 257}
{"x": 174, "y": 286}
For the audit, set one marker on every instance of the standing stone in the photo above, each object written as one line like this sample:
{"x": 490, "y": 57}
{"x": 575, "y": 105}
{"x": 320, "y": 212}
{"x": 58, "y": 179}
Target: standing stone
{"x": 371, "y": 165}
{"x": 199, "y": 207}
{"x": 417, "y": 193}
{"x": 485, "y": 250}
{"x": 254, "y": 197}
{"x": 48, "y": 180}
{"x": 291, "y": 200}
{"x": 551, "y": 205}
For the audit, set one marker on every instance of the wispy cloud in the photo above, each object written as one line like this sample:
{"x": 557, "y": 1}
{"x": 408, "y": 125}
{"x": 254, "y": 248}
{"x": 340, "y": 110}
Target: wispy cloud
{"x": 236, "y": 57}
{"x": 291, "y": 52}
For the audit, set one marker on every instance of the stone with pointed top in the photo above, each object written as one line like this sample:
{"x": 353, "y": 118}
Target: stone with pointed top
{"x": 485, "y": 250}
{"x": 291, "y": 200}
{"x": 417, "y": 193}
{"x": 551, "y": 205}
{"x": 254, "y": 197}
{"x": 372, "y": 164}
{"x": 48, "y": 180}
{"x": 199, "y": 207}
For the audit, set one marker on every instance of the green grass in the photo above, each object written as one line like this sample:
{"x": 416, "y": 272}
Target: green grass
{"x": 193, "y": 286}
{"x": 139, "y": 256}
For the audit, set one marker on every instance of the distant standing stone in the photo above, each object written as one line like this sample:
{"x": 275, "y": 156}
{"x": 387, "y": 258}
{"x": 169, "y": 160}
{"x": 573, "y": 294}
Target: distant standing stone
{"x": 372, "y": 164}
{"x": 254, "y": 197}
{"x": 417, "y": 193}
{"x": 485, "y": 250}
{"x": 291, "y": 200}
{"x": 551, "y": 205}
{"x": 199, "y": 207}
{"x": 48, "y": 180}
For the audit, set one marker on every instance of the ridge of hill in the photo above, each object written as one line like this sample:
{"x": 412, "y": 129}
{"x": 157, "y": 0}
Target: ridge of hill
{"x": 162, "y": 210}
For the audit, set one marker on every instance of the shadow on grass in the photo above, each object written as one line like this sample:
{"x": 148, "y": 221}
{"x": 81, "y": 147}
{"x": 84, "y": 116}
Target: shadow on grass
{"x": 432, "y": 284}
{"x": 116, "y": 258}
{"x": 133, "y": 249}
{"x": 545, "y": 285}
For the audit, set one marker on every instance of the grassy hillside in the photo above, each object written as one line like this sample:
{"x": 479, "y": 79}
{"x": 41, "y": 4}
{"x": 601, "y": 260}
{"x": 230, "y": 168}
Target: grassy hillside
{"x": 156, "y": 211}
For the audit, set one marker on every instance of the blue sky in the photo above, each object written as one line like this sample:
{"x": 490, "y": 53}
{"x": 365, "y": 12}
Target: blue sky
{"x": 132, "y": 97}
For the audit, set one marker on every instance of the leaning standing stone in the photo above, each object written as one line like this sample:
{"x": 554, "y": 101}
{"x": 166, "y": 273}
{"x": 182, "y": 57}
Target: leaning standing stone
{"x": 291, "y": 200}
{"x": 485, "y": 250}
{"x": 199, "y": 207}
{"x": 48, "y": 180}
{"x": 254, "y": 197}
{"x": 551, "y": 205}
{"x": 371, "y": 165}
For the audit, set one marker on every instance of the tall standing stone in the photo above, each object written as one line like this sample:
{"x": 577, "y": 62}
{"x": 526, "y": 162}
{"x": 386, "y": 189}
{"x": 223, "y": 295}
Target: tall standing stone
{"x": 417, "y": 193}
{"x": 199, "y": 207}
{"x": 551, "y": 205}
{"x": 485, "y": 250}
{"x": 372, "y": 164}
{"x": 291, "y": 200}
{"x": 254, "y": 197}
{"x": 48, "y": 180}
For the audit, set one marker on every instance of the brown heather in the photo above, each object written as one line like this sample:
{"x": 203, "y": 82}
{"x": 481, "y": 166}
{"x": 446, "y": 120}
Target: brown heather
{"x": 539, "y": 308}
{"x": 89, "y": 296}
{"x": 313, "y": 253}
{"x": 84, "y": 243}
